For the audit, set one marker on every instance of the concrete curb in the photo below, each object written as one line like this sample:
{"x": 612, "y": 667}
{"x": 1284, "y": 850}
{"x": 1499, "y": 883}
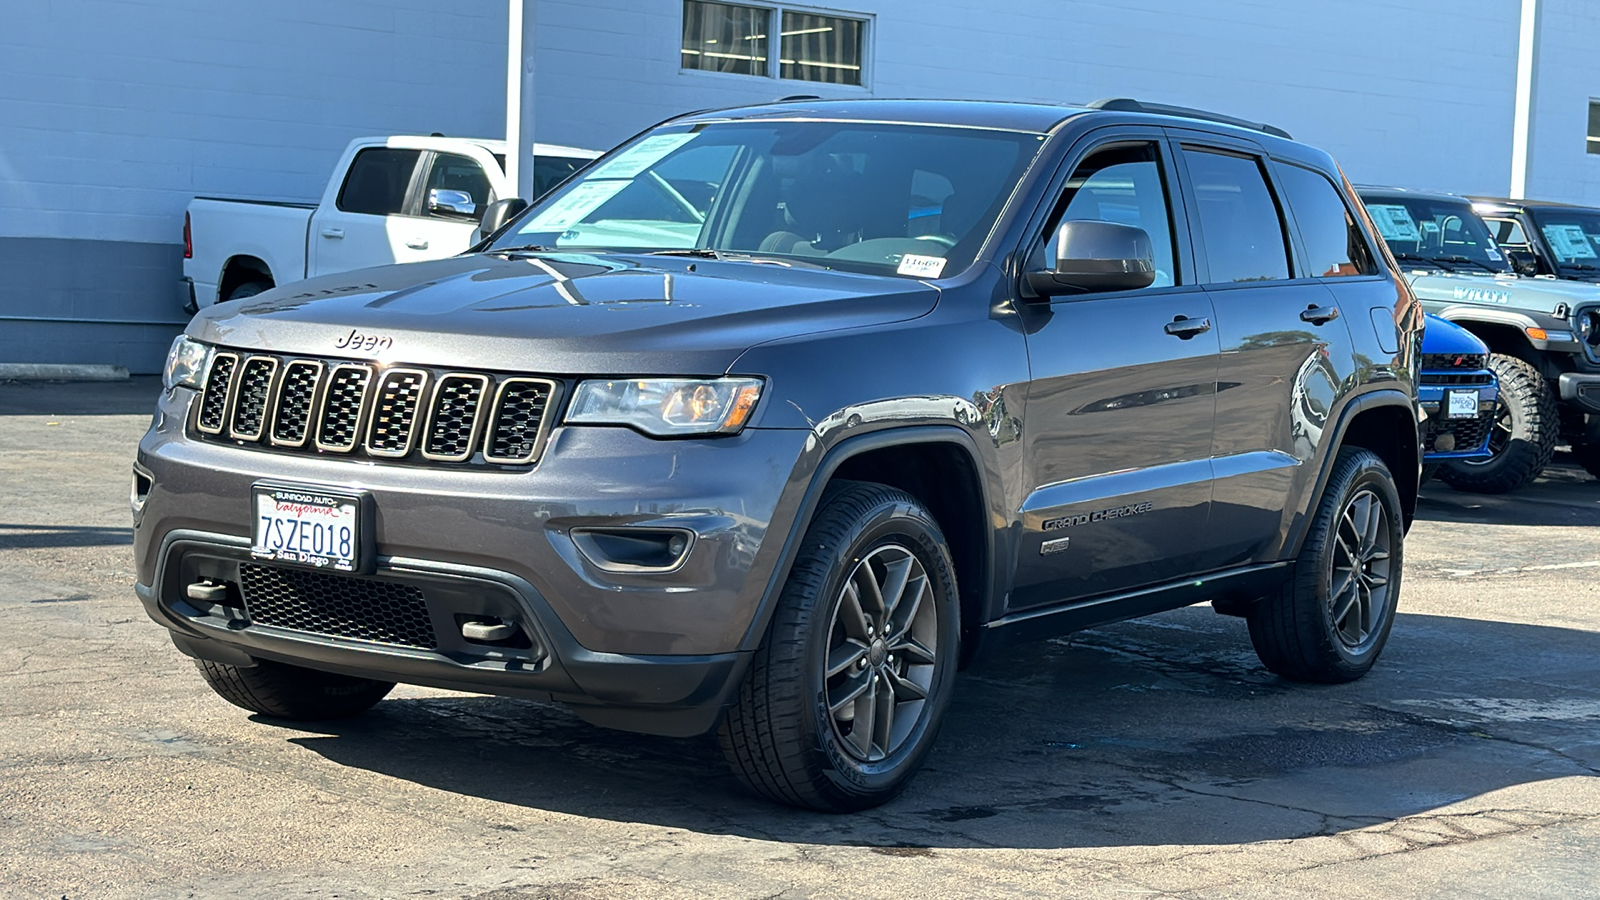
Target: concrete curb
{"x": 60, "y": 372}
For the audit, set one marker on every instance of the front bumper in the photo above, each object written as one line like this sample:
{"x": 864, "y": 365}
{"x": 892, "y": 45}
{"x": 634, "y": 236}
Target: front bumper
{"x": 1444, "y": 438}
{"x": 655, "y": 652}
{"x": 1582, "y": 389}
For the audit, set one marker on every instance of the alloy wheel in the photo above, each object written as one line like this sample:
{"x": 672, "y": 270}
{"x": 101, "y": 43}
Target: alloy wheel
{"x": 1359, "y": 597}
{"x": 883, "y": 646}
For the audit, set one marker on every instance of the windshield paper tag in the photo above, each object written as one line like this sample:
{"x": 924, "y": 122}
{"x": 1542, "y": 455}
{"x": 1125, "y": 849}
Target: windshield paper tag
{"x": 643, "y": 155}
{"x": 920, "y": 266}
{"x": 574, "y": 205}
{"x": 1394, "y": 222}
{"x": 1569, "y": 241}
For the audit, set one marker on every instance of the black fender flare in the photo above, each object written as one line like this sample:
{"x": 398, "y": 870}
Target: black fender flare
{"x": 818, "y": 481}
{"x": 1361, "y": 403}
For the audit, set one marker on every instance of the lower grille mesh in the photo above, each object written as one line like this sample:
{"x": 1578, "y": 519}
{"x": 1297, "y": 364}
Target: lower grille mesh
{"x": 1469, "y": 433}
{"x": 337, "y": 606}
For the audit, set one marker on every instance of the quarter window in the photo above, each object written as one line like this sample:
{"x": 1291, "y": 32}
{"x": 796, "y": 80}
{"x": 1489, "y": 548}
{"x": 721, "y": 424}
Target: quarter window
{"x": 377, "y": 181}
{"x": 811, "y": 46}
{"x": 1240, "y": 224}
{"x": 1334, "y": 245}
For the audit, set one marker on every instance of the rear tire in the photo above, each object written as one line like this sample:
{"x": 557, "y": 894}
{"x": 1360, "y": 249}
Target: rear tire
{"x": 1330, "y": 622}
{"x": 819, "y": 721}
{"x": 292, "y": 692}
{"x": 1523, "y": 436}
{"x": 249, "y": 289}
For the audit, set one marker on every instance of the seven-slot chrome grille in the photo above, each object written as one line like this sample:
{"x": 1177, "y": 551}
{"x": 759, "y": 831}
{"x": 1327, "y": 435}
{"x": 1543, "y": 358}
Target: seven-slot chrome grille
{"x": 408, "y": 414}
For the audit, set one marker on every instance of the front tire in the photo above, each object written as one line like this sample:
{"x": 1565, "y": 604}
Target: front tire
{"x": 292, "y": 692}
{"x": 1330, "y": 622}
{"x": 1522, "y": 437}
{"x": 845, "y": 695}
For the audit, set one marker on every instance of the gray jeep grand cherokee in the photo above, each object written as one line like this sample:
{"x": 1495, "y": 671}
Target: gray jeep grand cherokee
{"x": 774, "y": 417}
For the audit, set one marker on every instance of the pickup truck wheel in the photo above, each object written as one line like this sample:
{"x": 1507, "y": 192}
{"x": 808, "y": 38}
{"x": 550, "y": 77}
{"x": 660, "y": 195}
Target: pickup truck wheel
{"x": 249, "y": 289}
{"x": 1522, "y": 436}
{"x": 845, "y": 695}
{"x": 1330, "y": 621}
{"x": 292, "y": 692}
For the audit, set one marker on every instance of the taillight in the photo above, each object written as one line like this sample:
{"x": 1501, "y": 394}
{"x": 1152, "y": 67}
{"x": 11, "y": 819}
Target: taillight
{"x": 188, "y": 242}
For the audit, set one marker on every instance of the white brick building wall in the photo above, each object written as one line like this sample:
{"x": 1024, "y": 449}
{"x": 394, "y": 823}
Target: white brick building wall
{"x": 113, "y": 113}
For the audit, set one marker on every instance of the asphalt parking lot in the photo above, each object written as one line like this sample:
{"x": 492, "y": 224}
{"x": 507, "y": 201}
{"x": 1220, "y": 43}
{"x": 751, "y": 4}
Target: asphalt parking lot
{"x": 1154, "y": 757}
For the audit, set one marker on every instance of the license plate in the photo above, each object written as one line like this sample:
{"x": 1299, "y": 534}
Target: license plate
{"x": 1461, "y": 404}
{"x": 307, "y": 527}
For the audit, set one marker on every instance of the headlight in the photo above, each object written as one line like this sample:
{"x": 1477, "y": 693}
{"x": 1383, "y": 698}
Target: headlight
{"x": 667, "y": 406}
{"x": 186, "y": 363}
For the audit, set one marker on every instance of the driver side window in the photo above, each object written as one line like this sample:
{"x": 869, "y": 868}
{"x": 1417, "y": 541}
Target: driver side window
{"x": 1122, "y": 184}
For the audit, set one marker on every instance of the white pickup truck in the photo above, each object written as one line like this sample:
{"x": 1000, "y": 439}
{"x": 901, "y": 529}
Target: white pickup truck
{"x": 391, "y": 199}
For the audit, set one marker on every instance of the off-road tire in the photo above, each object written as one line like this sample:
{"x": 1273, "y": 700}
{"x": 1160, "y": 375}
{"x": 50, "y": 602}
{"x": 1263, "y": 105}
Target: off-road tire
{"x": 291, "y": 692}
{"x": 1535, "y": 421}
{"x": 249, "y": 289}
{"x": 1294, "y": 633}
{"x": 779, "y": 736}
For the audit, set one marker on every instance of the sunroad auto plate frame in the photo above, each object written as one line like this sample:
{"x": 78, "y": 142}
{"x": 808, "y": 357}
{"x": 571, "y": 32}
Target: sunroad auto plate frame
{"x": 366, "y": 544}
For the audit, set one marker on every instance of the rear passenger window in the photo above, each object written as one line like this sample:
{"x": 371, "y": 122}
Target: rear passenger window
{"x": 1334, "y": 245}
{"x": 377, "y": 181}
{"x": 1239, "y": 221}
{"x": 1507, "y": 231}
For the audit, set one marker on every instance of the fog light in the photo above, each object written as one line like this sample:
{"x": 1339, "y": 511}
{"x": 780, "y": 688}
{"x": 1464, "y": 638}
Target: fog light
{"x": 1445, "y": 443}
{"x": 641, "y": 550}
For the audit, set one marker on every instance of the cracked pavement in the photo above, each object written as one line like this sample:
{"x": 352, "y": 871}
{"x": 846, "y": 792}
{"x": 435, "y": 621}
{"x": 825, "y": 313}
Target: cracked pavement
{"x": 1151, "y": 757}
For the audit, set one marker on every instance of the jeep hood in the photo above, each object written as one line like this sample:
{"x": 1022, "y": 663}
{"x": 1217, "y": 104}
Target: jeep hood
{"x": 567, "y": 313}
{"x": 1510, "y": 292}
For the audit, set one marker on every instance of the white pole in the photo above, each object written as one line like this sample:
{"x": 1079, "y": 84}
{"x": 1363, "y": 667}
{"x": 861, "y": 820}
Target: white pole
{"x": 520, "y": 47}
{"x": 1527, "y": 77}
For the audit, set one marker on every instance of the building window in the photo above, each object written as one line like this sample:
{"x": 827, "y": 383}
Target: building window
{"x": 1594, "y": 126}
{"x": 812, "y": 46}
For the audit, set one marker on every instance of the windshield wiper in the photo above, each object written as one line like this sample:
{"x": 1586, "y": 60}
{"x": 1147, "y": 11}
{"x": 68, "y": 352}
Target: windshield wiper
{"x": 1581, "y": 267}
{"x": 696, "y": 252}
{"x": 1473, "y": 262}
{"x": 526, "y": 248}
{"x": 1412, "y": 257}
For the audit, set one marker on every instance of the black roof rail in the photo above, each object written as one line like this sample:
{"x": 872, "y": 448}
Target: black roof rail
{"x": 1125, "y": 104}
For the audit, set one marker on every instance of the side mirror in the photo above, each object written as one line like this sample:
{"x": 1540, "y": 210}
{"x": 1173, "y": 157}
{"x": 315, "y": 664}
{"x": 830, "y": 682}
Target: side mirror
{"x": 1091, "y": 256}
{"x": 498, "y": 213}
{"x": 452, "y": 203}
{"x": 1523, "y": 262}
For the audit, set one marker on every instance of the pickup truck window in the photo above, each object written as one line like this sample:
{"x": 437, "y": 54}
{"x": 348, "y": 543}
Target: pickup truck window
{"x": 1333, "y": 242}
{"x": 377, "y": 181}
{"x": 853, "y": 196}
{"x": 459, "y": 173}
{"x": 1243, "y": 231}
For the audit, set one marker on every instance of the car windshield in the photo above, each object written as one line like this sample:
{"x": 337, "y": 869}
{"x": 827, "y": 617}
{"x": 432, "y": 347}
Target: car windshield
{"x": 1436, "y": 232}
{"x": 910, "y": 200}
{"x": 1573, "y": 236}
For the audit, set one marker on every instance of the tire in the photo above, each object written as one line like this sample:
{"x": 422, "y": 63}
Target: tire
{"x": 249, "y": 289}
{"x": 1301, "y": 634}
{"x": 291, "y": 692}
{"x": 1430, "y": 471}
{"x": 780, "y": 736}
{"x": 1527, "y": 425}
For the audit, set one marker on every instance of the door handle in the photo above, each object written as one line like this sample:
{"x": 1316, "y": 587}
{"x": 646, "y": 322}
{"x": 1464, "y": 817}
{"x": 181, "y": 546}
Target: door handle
{"x": 1184, "y": 327}
{"x": 336, "y": 234}
{"x": 1320, "y": 315}
{"x": 417, "y": 245}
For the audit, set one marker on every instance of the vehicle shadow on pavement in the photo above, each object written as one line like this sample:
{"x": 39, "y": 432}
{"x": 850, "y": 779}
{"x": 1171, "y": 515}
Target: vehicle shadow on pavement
{"x": 34, "y": 537}
{"x": 1564, "y": 495}
{"x": 1162, "y": 731}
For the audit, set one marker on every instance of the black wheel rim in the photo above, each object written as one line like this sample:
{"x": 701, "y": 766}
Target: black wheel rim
{"x": 1358, "y": 597}
{"x": 883, "y": 647}
{"x": 1500, "y": 431}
